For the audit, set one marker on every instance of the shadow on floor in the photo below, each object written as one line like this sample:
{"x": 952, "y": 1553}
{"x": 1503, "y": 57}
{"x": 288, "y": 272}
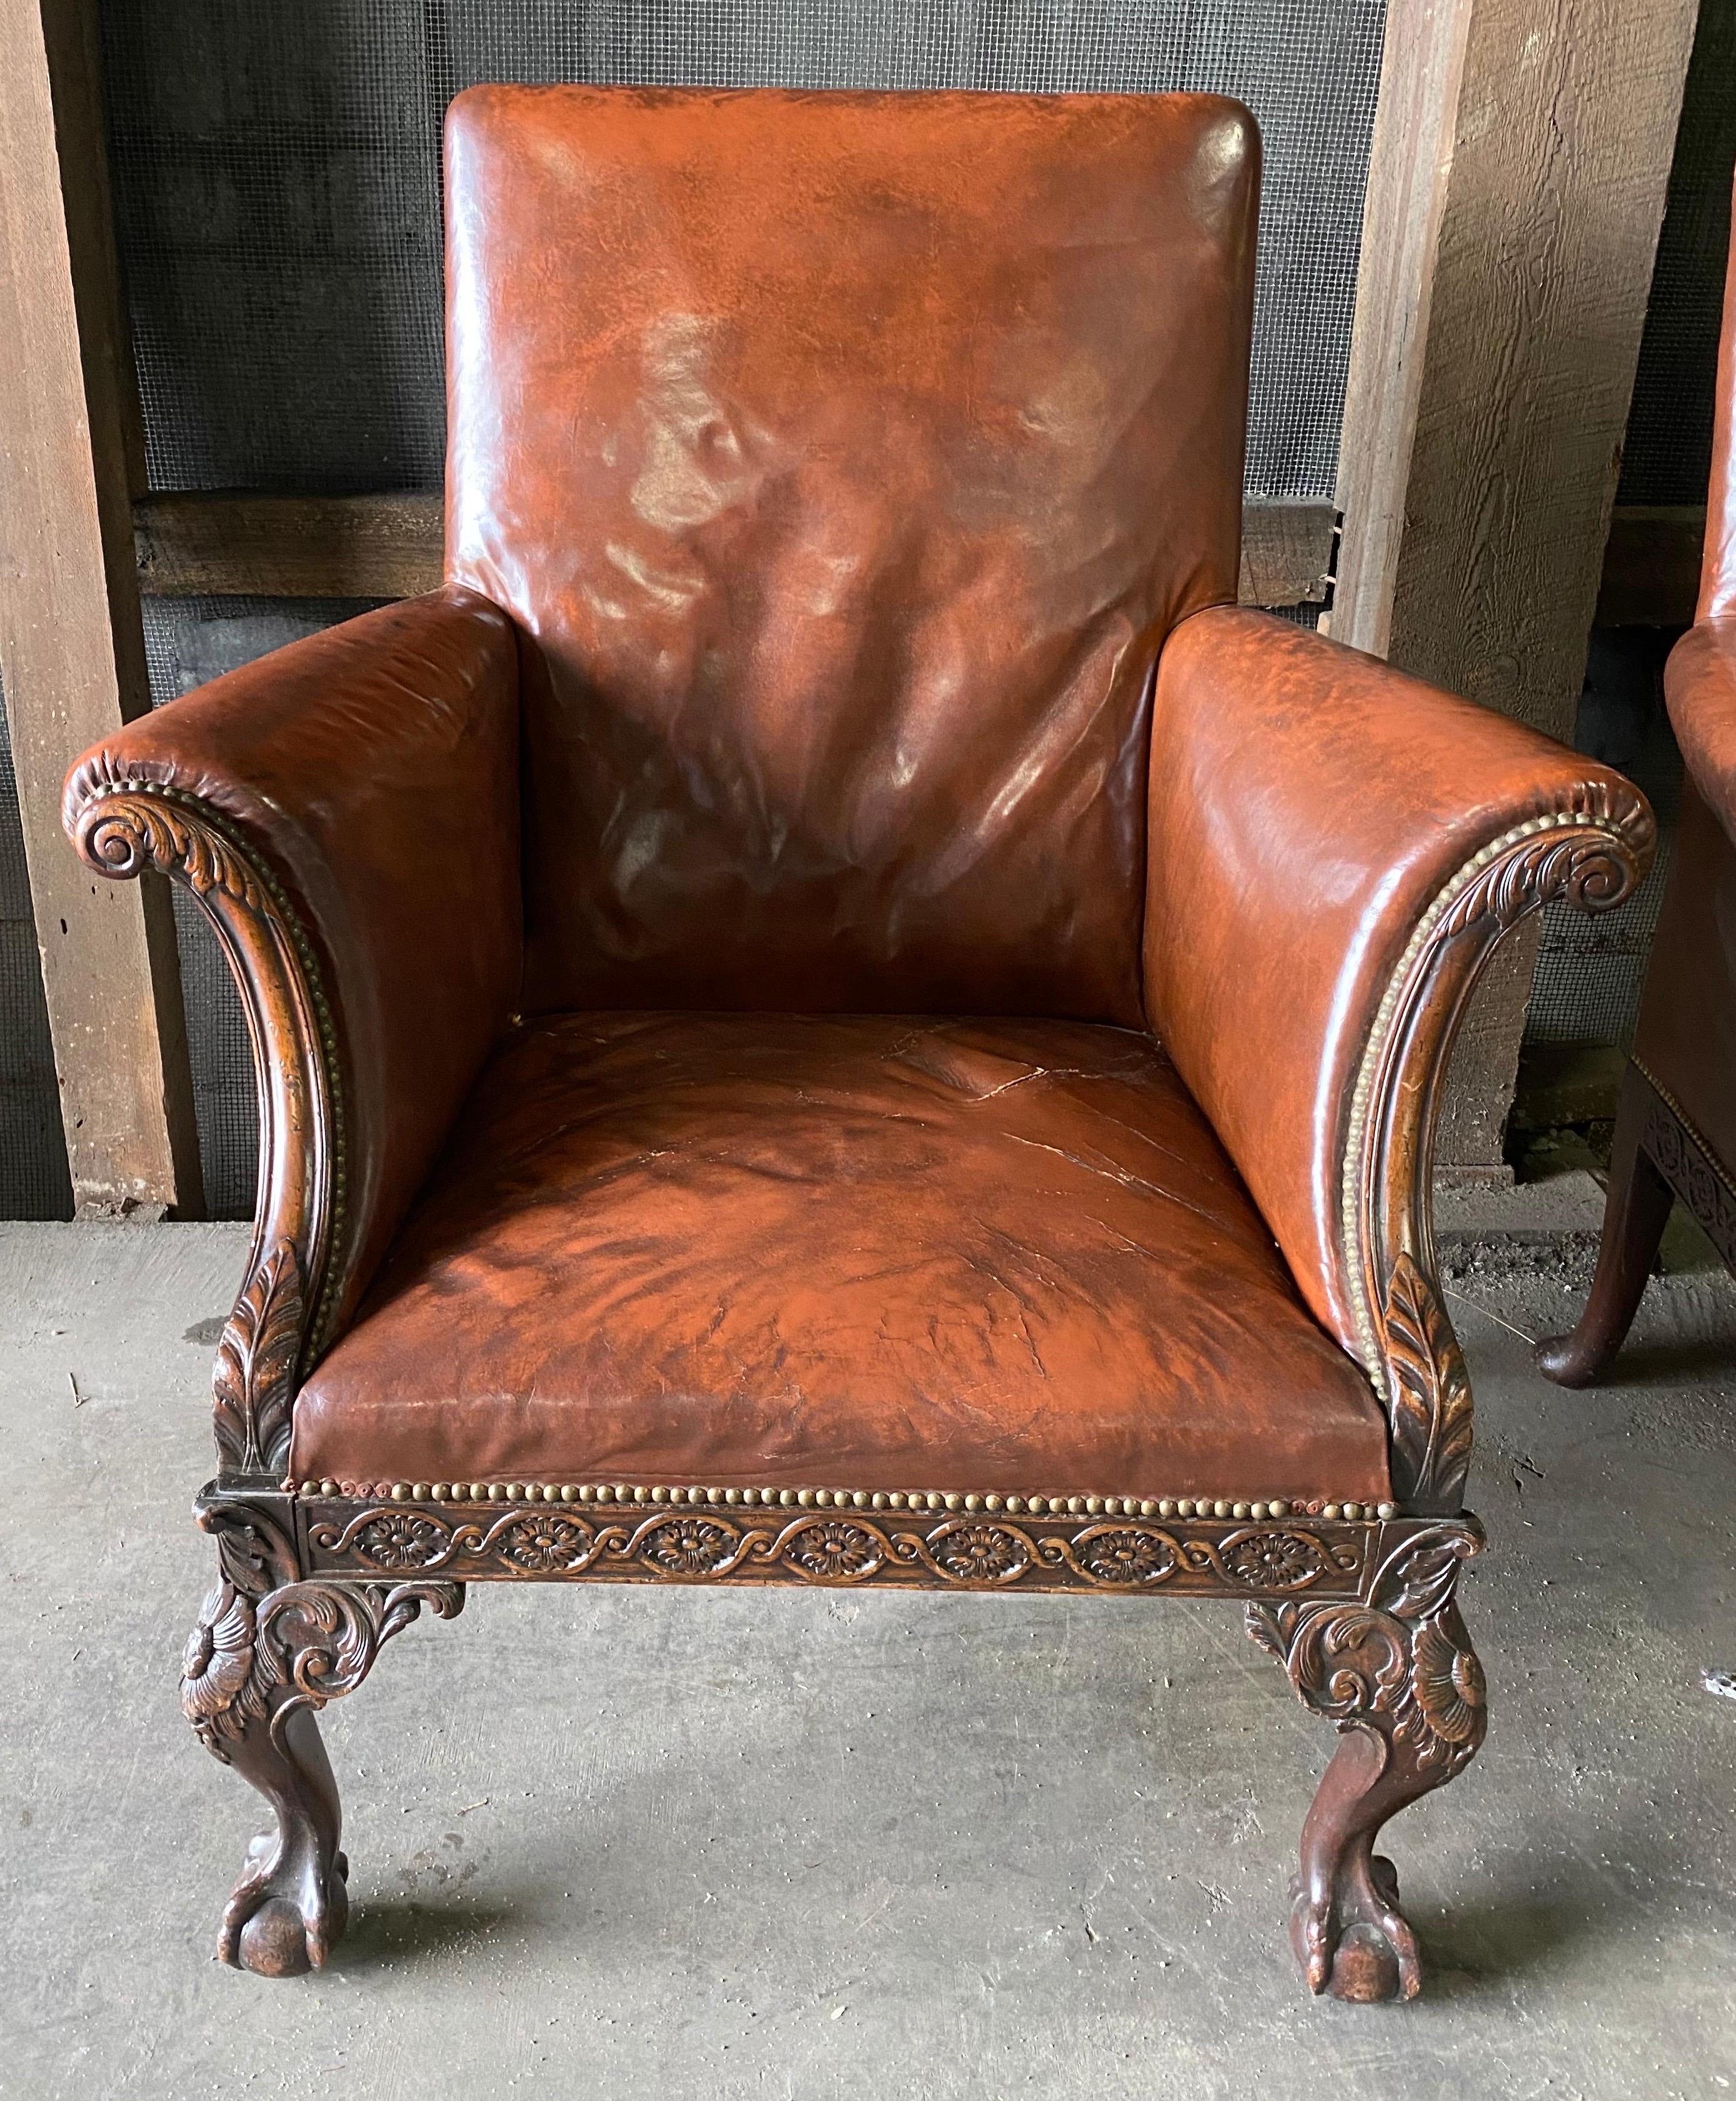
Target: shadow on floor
{"x": 388, "y": 1932}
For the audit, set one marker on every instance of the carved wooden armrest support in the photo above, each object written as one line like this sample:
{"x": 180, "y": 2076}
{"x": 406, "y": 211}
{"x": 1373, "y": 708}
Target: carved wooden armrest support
{"x": 122, "y": 825}
{"x": 1592, "y": 850}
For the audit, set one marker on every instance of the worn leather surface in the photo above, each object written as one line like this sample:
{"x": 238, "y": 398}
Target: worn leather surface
{"x": 1686, "y": 1037}
{"x": 374, "y": 767}
{"x": 1718, "y": 561}
{"x": 847, "y": 457}
{"x": 1308, "y": 802}
{"x": 1699, "y": 685}
{"x": 874, "y": 1252}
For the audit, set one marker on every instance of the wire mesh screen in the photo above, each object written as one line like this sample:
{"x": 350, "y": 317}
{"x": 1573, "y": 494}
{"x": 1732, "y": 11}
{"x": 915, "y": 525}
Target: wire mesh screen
{"x": 34, "y": 1182}
{"x": 1668, "y": 458}
{"x": 276, "y": 175}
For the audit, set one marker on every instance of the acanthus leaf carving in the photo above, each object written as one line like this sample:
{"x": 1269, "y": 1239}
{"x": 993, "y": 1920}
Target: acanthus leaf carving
{"x": 1396, "y": 1674}
{"x": 123, "y": 823}
{"x": 131, "y": 828}
{"x": 1430, "y": 1391}
{"x": 253, "y": 1383}
{"x": 1397, "y": 1660}
{"x": 269, "y": 1642}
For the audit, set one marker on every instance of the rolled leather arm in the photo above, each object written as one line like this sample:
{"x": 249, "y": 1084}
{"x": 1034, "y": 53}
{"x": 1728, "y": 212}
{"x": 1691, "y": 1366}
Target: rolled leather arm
{"x": 347, "y": 809}
{"x": 1334, "y": 850}
{"x": 1699, "y": 685}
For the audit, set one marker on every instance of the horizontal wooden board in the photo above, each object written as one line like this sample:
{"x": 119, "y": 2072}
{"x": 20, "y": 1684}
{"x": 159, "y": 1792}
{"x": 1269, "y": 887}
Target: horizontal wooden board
{"x": 389, "y": 546}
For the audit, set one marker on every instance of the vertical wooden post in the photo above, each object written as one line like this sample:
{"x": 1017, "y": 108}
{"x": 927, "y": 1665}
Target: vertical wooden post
{"x": 1516, "y": 186}
{"x": 72, "y": 645}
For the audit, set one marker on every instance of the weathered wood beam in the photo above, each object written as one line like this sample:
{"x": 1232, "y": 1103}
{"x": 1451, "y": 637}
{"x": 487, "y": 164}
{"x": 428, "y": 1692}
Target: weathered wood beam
{"x": 1516, "y": 184}
{"x": 72, "y": 648}
{"x": 243, "y": 545}
{"x": 389, "y": 546}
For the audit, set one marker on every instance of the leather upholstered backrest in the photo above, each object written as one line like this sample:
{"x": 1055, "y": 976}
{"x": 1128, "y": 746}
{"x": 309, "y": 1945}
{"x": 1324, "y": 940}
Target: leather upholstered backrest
{"x": 844, "y": 460}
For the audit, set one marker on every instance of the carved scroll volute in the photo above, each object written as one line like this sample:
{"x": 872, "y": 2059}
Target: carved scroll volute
{"x": 1591, "y": 852}
{"x": 122, "y": 826}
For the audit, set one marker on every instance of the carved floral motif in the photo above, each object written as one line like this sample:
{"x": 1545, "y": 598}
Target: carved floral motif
{"x": 542, "y": 1544}
{"x": 1127, "y": 1556}
{"x": 1226, "y": 1559}
{"x": 832, "y": 1552}
{"x": 981, "y": 1553}
{"x": 689, "y": 1547}
{"x": 399, "y": 1539}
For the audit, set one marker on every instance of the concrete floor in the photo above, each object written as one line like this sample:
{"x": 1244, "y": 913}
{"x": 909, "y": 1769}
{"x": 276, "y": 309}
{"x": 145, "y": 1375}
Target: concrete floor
{"x": 612, "y": 1843}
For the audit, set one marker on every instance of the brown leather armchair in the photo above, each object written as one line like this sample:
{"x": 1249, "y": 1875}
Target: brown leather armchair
{"x": 1676, "y": 1118}
{"x": 829, "y": 1011}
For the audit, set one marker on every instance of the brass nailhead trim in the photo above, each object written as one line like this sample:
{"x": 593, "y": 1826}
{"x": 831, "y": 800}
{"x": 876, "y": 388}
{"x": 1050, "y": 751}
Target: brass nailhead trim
{"x": 929, "y": 1500}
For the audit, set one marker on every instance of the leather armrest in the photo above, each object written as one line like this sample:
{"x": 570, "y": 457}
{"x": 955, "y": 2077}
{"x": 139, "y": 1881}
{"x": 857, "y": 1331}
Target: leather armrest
{"x": 1699, "y": 685}
{"x": 1334, "y": 850}
{"x": 347, "y": 809}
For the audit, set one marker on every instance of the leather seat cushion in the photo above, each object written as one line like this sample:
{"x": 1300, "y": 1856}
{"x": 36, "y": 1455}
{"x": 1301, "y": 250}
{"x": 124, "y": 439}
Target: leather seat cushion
{"x": 851, "y": 1252}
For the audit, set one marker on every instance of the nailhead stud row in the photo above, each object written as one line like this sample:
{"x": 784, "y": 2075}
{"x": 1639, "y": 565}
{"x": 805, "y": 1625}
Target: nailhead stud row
{"x": 618, "y": 1493}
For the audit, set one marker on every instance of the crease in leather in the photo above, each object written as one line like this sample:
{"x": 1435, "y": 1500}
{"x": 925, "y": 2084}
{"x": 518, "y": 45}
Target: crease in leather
{"x": 1308, "y": 803}
{"x": 374, "y": 768}
{"x": 845, "y": 528}
{"x": 878, "y": 1252}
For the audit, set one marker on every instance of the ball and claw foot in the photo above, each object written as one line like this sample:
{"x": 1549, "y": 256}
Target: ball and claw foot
{"x": 1359, "y": 1946}
{"x": 284, "y": 1917}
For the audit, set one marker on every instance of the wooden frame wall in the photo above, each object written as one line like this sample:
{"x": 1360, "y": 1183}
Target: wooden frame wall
{"x": 1516, "y": 188}
{"x": 72, "y": 644}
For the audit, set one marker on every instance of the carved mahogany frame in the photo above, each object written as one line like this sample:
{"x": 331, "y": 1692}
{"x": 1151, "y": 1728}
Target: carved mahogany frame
{"x": 283, "y": 1312}
{"x": 1359, "y": 1610}
{"x": 1687, "y": 1162}
{"x": 1592, "y": 851}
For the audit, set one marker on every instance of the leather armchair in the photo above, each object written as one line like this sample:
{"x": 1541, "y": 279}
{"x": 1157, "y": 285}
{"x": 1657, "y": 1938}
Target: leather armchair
{"x": 1675, "y": 1116}
{"x": 829, "y": 1011}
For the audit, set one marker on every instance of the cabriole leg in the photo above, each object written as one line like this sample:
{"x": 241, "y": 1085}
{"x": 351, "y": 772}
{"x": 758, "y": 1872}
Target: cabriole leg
{"x": 1397, "y": 1675}
{"x": 1634, "y": 1214}
{"x": 265, "y": 1657}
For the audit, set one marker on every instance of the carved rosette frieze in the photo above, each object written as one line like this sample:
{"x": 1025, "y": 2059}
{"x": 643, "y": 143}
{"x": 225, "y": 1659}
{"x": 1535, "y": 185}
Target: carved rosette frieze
{"x": 269, "y": 1643}
{"x": 972, "y": 1552}
{"x": 123, "y": 826}
{"x": 1591, "y": 850}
